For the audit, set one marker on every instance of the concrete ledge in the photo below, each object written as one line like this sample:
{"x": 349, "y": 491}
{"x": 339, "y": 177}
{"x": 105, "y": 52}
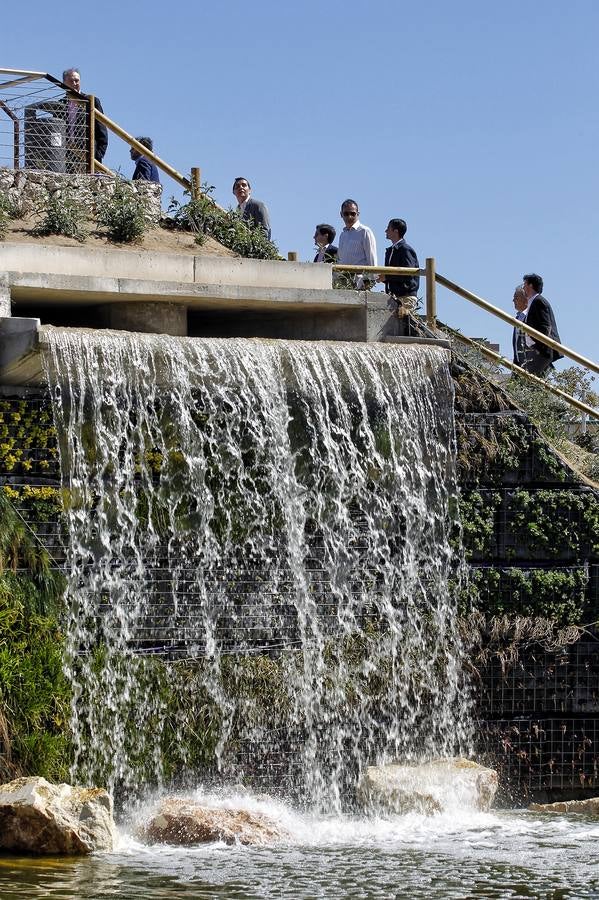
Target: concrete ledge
{"x": 434, "y": 342}
{"x": 32, "y": 286}
{"x": 38, "y": 257}
{"x": 177, "y": 267}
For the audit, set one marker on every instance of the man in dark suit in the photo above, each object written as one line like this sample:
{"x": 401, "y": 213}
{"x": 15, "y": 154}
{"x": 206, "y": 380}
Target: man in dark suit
{"x": 76, "y": 125}
{"x": 402, "y": 289}
{"x": 251, "y": 210}
{"x": 145, "y": 169}
{"x": 324, "y": 236}
{"x": 539, "y": 315}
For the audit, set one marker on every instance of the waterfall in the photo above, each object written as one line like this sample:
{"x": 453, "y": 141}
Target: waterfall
{"x": 263, "y": 528}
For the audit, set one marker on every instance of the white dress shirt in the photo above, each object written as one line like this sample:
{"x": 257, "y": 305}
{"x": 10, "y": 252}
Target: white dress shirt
{"x": 357, "y": 246}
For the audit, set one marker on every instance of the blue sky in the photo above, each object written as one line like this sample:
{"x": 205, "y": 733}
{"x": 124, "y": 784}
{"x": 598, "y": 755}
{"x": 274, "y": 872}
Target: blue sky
{"x": 474, "y": 121}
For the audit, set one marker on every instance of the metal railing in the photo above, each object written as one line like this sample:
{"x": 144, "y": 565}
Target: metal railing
{"x": 45, "y": 125}
{"x": 433, "y": 278}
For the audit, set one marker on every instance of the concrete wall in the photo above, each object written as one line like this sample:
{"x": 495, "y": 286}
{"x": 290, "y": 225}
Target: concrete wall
{"x": 177, "y": 267}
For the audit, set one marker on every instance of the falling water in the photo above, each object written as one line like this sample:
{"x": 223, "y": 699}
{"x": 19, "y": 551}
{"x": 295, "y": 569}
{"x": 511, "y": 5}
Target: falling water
{"x": 248, "y": 507}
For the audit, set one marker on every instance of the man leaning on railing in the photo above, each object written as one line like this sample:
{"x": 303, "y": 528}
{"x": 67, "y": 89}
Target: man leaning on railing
{"x": 402, "y": 289}
{"x": 76, "y": 126}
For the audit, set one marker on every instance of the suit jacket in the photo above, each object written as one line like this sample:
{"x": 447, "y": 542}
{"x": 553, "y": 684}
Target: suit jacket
{"x": 540, "y": 316}
{"x": 100, "y": 130}
{"x": 330, "y": 254}
{"x": 145, "y": 170}
{"x": 257, "y": 212}
{"x": 402, "y": 255}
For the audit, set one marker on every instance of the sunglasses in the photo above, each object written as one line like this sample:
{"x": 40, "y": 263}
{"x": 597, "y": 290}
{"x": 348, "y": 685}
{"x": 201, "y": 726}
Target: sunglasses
{"x": 345, "y": 214}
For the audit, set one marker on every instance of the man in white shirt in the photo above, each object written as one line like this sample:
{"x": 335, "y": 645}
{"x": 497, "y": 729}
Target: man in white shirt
{"x": 357, "y": 246}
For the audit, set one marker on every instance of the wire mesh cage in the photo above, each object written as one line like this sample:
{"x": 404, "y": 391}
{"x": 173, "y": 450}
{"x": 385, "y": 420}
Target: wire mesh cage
{"x": 546, "y": 753}
{"x": 42, "y": 125}
{"x": 563, "y": 680}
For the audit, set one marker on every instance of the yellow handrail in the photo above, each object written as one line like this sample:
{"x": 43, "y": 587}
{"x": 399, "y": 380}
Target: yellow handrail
{"x": 516, "y": 323}
{"x": 149, "y": 154}
{"x": 383, "y": 270}
{"x": 496, "y": 357}
{"x": 479, "y": 301}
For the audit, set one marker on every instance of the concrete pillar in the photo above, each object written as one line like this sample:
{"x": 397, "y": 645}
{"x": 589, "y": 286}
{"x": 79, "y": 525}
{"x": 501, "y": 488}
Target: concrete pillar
{"x": 5, "y": 309}
{"x": 146, "y": 317}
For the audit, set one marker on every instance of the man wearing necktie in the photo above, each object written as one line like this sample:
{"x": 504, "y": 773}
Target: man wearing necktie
{"x": 76, "y": 125}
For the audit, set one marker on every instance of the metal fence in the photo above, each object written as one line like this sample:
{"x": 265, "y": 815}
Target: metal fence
{"x": 42, "y": 125}
{"x": 545, "y": 754}
{"x": 543, "y": 682}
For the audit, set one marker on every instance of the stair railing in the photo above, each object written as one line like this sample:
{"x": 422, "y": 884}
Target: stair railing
{"x": 433, "y": 278}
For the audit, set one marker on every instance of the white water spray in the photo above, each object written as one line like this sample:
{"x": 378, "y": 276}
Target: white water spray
{"x": 286, "y": 501}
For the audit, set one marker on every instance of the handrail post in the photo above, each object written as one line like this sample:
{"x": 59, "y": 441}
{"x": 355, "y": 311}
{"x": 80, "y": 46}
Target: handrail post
{"x": 91, "y": 133}
{"x": 431, "y": 292}
{"x": 196, "y": 184}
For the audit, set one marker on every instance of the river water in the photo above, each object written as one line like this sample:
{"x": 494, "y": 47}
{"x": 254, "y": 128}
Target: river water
{"x": 459, "y": 854}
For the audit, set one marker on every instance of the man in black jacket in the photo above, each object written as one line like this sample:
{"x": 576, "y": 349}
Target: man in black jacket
{"x": 76, "y": 125}
{"x": 324, "y": 235}
{"x": 539, "y": 315}
{"x": 403, "y": 288}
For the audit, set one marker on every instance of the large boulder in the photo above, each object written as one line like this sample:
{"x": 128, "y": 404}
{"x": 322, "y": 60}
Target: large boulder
{"x": 430, "y": 787}
{"x": 185, "y": 822}
{"x": 54, "y": 819}
{"x": 588, "y": 807}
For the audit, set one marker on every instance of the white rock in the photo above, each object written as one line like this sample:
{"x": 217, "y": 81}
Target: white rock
{"x": 49, "y": 819}
{"x": 589, "y": 807}
{"x": 186, "y": 822}
{"x": 430, "y": 787}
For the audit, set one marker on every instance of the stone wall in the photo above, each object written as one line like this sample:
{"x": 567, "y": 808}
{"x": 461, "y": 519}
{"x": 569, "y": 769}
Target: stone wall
{"x": 30, "y": 190}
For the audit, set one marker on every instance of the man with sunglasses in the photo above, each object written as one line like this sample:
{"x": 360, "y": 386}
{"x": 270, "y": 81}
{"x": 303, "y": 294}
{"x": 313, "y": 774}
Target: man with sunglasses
{"x": 357, "y": 246}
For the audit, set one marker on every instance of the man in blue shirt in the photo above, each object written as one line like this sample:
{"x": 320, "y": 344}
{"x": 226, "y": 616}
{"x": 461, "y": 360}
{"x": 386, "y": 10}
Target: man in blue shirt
{"x": 145, "y": 170}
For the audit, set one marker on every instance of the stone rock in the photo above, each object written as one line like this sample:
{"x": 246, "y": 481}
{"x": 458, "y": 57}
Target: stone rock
{"x": 430, "y": 787}
{"x": 49, "y": 819}
{"x": 185, "y": 822}
{"x": 588, "y": 807}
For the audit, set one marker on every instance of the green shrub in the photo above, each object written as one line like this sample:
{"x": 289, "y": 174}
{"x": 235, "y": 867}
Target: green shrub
{"x": 556, "y": 522}
{"x": 4, "y": 218}
{"x": 62, "y": 214}
{"x": 477, "y": 515}
{"x": 203, "y": 217}
{"x": 122, "y": 214}
{"x": 34, "y": 693}
{"x": 559, "y": 595}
